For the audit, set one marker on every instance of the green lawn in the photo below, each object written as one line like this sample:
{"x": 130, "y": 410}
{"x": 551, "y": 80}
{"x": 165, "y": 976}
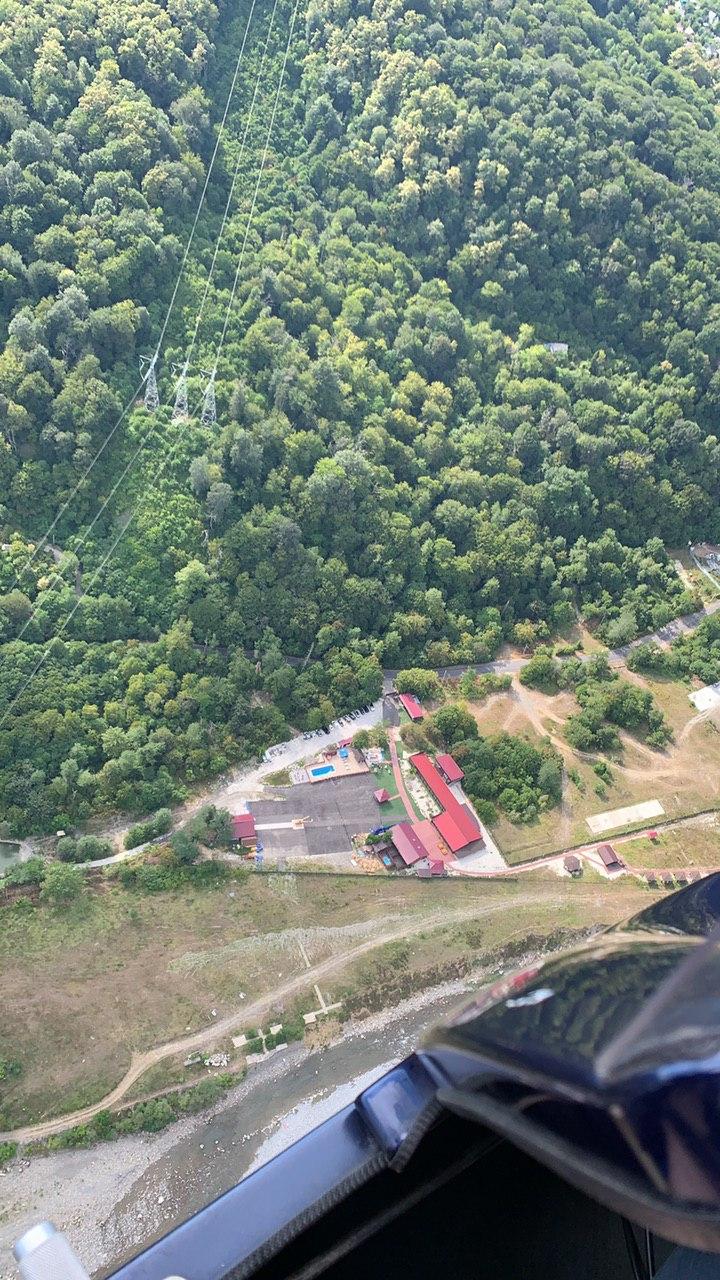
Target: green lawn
{"x": 384, "y": 777}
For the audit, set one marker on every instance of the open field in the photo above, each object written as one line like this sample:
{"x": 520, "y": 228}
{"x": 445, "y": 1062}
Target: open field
{"x": 684, "y": 778}
{"x": 121, "y": 973}
{"x": 686, "y": 846}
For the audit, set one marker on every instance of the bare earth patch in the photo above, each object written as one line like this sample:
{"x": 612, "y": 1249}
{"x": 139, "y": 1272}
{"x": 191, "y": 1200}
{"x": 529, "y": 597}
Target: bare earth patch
{"x": 684, "y": 778}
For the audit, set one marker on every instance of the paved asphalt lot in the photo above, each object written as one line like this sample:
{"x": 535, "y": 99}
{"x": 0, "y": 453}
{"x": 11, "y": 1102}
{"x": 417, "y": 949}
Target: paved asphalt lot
{"x": 334, "y": 811}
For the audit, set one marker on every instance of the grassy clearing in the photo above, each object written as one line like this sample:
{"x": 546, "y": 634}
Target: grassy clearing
{"x": 279, "y": 779}
{"x": 416, "y": 962}
{"x": 82, "y": 989}
{"x": 687, "y": 846}
{"x": 685, "y": 778}
{"x": 691, "y": 575}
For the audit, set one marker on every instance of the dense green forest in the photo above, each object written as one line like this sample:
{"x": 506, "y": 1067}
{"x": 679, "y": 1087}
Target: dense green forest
{"x": 403, "y": 471}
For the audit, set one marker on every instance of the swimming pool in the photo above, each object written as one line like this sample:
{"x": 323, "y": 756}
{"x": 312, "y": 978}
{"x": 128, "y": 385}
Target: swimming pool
{"x": 322, "y": 770}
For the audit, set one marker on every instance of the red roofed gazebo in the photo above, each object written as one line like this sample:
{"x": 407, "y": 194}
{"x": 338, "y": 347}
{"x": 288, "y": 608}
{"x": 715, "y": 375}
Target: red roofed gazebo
{"x": 382, "y": 795}
{"x": 243, "y": 826}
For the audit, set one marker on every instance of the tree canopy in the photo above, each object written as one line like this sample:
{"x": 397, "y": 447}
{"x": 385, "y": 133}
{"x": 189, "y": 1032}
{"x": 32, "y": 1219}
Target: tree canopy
{"x": 468, "y": 390}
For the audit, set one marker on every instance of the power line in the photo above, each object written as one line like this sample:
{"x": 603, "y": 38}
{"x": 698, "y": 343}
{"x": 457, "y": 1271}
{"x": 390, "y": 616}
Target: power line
{"x": 236, "y": 171}
{"x": 255, "y": 193}
{"x": 168, "y": 457}
{"x": 168, "y": 313}
{"x": 180, "y": 409}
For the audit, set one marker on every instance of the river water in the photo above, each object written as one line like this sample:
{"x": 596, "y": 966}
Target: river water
{"x": 118, "y": 1197}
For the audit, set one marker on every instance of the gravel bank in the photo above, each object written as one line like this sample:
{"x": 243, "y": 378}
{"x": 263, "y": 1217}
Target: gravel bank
{"x": 114, "y": 1198}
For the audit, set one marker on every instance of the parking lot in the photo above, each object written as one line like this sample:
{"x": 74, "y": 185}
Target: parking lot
{"x": 334, "y": 811}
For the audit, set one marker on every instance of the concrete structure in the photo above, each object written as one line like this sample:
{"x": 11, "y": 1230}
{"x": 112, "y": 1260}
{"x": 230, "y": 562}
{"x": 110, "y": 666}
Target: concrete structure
{"x": 599, "y": 822}
{"x": 707, "y": 698}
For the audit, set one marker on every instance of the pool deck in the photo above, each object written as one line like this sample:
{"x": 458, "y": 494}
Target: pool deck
{"x": 352, "y": 764}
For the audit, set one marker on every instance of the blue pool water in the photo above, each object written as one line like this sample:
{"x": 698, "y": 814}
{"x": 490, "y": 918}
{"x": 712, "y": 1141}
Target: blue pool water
{"x": 322, "y": 770}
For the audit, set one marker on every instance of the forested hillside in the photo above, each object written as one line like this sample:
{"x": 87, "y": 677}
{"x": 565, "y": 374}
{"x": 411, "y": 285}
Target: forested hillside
{"x": 401, "y": 471}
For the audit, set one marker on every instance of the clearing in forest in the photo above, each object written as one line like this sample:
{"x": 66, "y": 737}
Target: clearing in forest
{"x": 683, "y": 779}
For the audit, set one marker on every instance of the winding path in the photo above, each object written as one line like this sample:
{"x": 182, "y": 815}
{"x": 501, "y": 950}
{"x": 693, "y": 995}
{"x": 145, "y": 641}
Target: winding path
{"x": 248, "y": 1014}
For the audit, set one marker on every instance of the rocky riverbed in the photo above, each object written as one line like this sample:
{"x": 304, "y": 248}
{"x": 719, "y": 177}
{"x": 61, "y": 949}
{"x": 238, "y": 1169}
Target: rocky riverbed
{"x": 117, "y": 1197}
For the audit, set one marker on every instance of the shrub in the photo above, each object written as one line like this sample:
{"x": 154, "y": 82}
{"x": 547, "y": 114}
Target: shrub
{"x": 450, "y": 725}
{"x": 30, "y": 872}
{"x": 293, "y": 1028}
{"x": 550, "y": 779}
{"x": 541, "y": 672}
{"x": 7, "y": 1151}
{"x": 89, "y": 848}
{"x": 475, "y": 687}
{"x": 84, "y": 849}
{"x": 63, "y": 884}
{"x": 141, "y": 832}
{"x": 422, "y": 683}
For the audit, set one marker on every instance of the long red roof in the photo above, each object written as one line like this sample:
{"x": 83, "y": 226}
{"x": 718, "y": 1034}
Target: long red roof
{"x": 434, "y": 780}
{"x": 456, "y": 824}
{"x": 412, "y": 706}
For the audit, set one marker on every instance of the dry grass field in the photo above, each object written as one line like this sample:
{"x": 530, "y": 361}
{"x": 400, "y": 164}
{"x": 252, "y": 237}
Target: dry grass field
{"x": 119, "y": 972}
{"x": 685, "y": 777}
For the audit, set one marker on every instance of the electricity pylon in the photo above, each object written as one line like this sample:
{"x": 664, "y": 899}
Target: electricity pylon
{"x": 208, "y": 416}
{"x": 180, "y": 408}
{"x": 152, "y": 398}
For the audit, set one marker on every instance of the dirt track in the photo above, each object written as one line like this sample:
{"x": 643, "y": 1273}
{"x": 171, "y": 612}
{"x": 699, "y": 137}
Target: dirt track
{"x": 141, "y": 1062}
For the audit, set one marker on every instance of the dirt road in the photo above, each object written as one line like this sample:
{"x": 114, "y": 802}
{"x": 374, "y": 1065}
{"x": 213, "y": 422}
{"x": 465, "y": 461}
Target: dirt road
{"x": 253, "y": 1013}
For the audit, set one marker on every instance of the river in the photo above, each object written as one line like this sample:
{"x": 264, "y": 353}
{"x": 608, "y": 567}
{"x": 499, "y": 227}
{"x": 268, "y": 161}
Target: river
{"x": 117, "y": 1197}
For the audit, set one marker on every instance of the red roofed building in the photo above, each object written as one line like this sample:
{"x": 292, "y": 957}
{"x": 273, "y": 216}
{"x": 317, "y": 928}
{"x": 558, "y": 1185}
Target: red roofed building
{"x": 609, "y": 856}
{"x": 243, "y": 826}
{"x": 449, "y": 768}
{"x": 432, "y": 869}
{"x": 382, "y": 796}
{"x": 408, "y": 843}
{"x": 431, "y": 838}
{"x": 456, "y": 824}
{"x": 457, "y": 827}
{"x": 432, "y": 779}
{"x": 411, "y": 705}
